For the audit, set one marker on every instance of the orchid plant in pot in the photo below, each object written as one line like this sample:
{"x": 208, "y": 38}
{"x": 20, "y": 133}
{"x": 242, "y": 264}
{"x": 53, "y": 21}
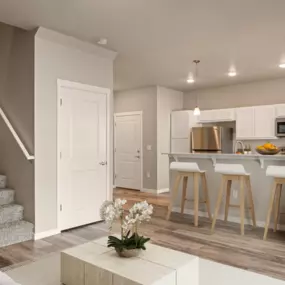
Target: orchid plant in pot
{"x": 130, "y": 243}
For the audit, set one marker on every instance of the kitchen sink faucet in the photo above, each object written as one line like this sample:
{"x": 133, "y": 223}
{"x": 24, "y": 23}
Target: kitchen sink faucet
{"x": 242, "y": 146}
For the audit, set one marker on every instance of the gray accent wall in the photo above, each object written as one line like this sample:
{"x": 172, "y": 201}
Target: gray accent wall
{"x": 144, "y": 99}
{"x": 17, "y": 100}
{"x": 264, "y": 92}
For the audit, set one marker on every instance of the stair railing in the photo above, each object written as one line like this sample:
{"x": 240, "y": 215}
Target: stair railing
{"x": 15, "y": 135}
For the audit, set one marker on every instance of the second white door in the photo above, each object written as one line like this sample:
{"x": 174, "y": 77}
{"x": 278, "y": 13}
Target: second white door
{"x": 128, "y": 151}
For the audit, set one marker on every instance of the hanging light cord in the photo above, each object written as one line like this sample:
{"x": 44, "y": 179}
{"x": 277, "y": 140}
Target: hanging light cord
{"x": 196, "y": 61}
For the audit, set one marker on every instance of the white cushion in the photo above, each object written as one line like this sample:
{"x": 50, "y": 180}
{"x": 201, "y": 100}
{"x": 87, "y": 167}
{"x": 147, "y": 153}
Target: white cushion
{"x": 6, "y": 280}
{"x": 185, "y": 166}
{"x": 230, "y": 169}
{"x": 275, "y": 171}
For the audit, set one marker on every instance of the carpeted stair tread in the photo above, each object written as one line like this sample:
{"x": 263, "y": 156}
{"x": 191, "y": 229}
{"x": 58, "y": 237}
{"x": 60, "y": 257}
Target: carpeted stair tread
{"x": 11, "y": 213}
{"x": 6, "y": 196}
{"x": 15, "y": 232}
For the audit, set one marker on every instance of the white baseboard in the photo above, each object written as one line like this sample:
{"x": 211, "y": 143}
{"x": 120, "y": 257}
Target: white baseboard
{"x": 233, "y": 219}
{"x": 164, "y": 190}
{"x": 155, "y": 191}
{"x": 151, "y": 191}
{"x": 46, "y": 234}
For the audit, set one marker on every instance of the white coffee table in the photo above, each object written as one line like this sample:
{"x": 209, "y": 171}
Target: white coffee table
{"x": 95, "y": 264}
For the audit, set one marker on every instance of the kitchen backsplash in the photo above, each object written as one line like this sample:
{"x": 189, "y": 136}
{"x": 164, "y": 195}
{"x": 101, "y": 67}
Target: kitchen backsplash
{"x": 255, "y": 143}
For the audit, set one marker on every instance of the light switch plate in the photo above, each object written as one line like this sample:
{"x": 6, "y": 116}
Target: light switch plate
{"x": 148, "y": 147}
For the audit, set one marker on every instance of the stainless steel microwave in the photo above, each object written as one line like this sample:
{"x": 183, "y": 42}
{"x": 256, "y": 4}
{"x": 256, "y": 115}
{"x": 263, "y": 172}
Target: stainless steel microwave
{"x": 280, "y": 127}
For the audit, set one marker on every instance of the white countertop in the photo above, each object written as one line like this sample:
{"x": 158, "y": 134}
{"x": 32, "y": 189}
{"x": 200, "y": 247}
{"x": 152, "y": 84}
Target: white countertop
{"x": 226, "y": 156}
{"x": 216, "y": 156}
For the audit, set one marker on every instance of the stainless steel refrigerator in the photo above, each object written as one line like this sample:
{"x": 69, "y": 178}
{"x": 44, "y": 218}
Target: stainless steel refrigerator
{"x": 215, "y": 139}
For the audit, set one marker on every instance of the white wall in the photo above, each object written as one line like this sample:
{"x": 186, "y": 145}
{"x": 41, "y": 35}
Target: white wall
{"x": 167, "y": 101}
{"x": 59, "y": 56}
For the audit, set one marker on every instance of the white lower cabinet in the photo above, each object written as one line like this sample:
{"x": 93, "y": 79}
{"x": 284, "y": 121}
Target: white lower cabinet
{"x": 255, "y": 122}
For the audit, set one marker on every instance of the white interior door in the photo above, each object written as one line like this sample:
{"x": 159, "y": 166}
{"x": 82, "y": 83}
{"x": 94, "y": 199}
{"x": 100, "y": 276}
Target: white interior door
{"x": 82, "y": 150}
{"x": 128, "y": 151}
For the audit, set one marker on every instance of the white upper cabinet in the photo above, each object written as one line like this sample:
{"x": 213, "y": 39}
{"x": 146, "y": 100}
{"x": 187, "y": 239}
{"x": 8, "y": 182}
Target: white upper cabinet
{"x": 221, "y": 115}
{"x": 264, "y": 122}
{"x": 207, "y": 116}
{"x": 181, "y": 124}
{"x": 245, "y": 123}
{"x": 280, "y": 110}
{"x": 255, "y": 122}
{"x": 224, "y": 115}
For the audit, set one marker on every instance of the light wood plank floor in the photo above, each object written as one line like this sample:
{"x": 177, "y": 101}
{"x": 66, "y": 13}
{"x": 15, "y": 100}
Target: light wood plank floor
{"x": 225, "y": 245}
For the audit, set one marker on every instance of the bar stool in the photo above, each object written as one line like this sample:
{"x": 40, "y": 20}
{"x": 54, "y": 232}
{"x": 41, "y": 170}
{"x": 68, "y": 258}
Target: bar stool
{"x": 278, "y": 173}
{"x": 231, "y": 172}
{"x": 186, "y": 169}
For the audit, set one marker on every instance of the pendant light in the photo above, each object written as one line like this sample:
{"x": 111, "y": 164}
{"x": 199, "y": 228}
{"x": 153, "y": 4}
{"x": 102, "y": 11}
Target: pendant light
{"x": 197, "y": 111}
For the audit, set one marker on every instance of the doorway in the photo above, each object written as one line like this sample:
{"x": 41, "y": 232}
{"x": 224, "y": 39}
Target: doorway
{"x": 82, "y": 153}
{"x": 128, "y": 150}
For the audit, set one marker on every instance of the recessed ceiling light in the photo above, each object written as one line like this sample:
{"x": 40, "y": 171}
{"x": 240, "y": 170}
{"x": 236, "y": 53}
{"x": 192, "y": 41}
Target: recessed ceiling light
{"x": 102, "y": 41}
{"x": 282, "y": 65}
{"x": 232, "y": 73}
{"x": 190, "y": 80}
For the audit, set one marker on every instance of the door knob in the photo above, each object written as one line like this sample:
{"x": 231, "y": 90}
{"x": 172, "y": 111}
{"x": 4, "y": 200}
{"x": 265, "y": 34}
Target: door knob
{"x": 137, "y": 156}
{"x": 103, "y": 163}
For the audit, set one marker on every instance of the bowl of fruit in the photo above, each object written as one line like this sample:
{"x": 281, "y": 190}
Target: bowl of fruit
{"x": 268, "y": 149}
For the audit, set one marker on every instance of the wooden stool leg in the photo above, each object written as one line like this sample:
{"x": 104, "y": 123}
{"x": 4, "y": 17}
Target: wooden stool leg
{"x": 228, "y": 198}
{"x": 206, "y": 194}
{"x": 241, "y": 205}
{"x": 173, "y": 195}
{"x": 269, "y": 210}
{"x": 277, "y": 206}
{"x": 196, "y": 198}
{"x": 250, "y": 198}
{"x": 183, "y": 198}
{"x": 218, "y": 204}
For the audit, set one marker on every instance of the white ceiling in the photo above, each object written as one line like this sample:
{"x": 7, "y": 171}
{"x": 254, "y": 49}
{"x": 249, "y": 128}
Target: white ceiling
{"x": 157, "y": 40}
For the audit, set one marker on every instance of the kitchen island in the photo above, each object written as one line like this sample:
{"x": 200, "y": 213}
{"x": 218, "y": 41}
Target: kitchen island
{"x": 255, "y": 164}
{"x": 228, "y": 156}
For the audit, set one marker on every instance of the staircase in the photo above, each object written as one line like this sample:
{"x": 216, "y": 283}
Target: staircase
{"x": 13, "y": 229}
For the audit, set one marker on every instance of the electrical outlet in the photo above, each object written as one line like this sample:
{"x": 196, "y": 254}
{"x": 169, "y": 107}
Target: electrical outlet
{"x": 148, "y": 174}
{"x": 235, "y": 193}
